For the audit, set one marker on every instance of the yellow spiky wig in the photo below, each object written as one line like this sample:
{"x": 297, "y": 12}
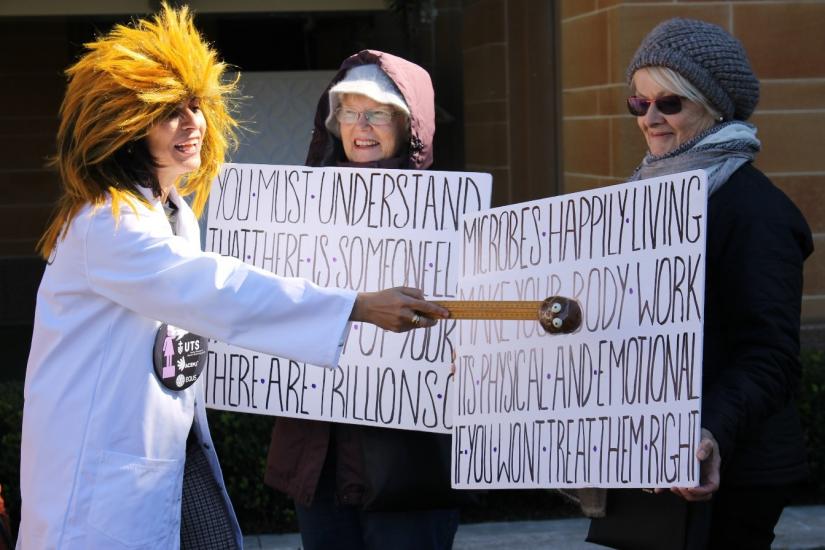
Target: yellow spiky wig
{"x": 127, "y": 81}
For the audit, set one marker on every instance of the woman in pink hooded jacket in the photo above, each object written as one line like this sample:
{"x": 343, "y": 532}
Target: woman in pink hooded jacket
{"x": 358, "y": 487}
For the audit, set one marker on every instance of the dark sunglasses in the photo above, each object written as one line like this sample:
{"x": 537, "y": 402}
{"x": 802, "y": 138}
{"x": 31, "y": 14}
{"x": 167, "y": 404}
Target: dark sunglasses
{"x": 668, "y": 105}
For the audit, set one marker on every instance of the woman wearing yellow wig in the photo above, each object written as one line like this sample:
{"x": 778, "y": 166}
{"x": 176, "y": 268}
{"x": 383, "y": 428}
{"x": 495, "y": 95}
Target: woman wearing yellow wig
{"x": 116, "y": 450}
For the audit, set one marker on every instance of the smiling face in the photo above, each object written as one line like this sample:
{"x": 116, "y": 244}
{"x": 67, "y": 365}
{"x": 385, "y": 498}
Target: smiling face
{"x": 175, "y": 143}
{"x": 364, "y": 142}
{"x": 664, "y": 133}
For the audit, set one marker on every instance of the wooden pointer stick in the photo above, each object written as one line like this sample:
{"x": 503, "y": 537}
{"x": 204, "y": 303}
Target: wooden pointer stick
{"x": 556, "y": 314}
{"x": 491, "y": 309}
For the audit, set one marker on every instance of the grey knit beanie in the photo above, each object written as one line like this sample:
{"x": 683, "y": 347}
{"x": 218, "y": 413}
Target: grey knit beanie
{"x": 708, "y": 57}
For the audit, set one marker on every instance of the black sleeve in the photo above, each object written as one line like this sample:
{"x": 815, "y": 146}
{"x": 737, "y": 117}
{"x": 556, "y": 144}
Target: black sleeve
{"x": 761, "y": 251}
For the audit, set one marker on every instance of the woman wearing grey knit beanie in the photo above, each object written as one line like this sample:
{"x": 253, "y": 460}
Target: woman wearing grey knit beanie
{"x": 691, "y": 91}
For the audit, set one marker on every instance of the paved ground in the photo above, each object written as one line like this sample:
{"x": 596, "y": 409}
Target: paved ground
{"x": 800, "y": 528}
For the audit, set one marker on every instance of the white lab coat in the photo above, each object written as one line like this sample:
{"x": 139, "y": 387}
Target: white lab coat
{"x": 103, "y": 440}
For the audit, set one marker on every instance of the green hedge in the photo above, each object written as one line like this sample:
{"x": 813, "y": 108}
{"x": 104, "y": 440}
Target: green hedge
{"x": 11, "y": 424}
{"x": 812, "y": 413}
{"x": 242, "y": 439}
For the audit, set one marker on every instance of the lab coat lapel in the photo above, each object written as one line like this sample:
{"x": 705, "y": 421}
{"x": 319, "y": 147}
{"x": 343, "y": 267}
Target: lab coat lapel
{"x": 187, "y": 223}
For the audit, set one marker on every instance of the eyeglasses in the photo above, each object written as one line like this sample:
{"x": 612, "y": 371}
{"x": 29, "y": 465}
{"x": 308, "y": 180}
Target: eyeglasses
{"x": 667, "y": 105}
{"x": 374, "y": 118}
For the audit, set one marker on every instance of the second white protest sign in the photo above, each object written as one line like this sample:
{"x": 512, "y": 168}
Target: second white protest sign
{"x": 616, "y": 404}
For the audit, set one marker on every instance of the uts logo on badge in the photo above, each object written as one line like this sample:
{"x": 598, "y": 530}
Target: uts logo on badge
{"x": 179, "y": 357}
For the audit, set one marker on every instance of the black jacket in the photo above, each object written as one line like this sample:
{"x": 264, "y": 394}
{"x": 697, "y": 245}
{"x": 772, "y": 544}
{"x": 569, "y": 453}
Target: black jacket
{"x": 757, "y": 241}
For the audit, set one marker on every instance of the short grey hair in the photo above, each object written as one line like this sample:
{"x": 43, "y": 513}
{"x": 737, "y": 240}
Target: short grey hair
{"x": 676, "y": 84}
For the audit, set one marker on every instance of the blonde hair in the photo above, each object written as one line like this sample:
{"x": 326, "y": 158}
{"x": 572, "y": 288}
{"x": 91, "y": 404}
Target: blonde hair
{"x": 127, "y": 81}
{"x": 676, "y": 84}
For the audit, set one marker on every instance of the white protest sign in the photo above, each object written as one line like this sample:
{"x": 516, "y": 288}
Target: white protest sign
{"x": 616, "y": 404}
{"x": 360, "y": 229}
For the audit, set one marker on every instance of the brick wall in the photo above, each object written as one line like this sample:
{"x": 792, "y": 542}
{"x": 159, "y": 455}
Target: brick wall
{"x": 510, "y": 96}
{"x": 33, "y": 84}
{"x": 786, "y": 45}
{"x": 30, "y": 94}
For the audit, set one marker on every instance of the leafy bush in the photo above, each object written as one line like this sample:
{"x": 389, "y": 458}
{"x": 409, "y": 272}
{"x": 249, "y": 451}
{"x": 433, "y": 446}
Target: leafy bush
{"x": 812, "y": 412}
{"x": 11, "y": 425}
{"x": 241, "y": 441}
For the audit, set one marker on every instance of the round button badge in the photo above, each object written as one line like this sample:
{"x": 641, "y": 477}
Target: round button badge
{"x": 179, "y": 357}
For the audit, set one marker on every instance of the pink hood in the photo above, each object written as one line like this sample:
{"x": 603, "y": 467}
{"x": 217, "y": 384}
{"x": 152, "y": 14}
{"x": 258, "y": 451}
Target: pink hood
{"x": 415, "y": 86}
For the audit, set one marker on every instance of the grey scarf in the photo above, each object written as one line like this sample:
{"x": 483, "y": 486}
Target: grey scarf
{"x": 720, "y": 151}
